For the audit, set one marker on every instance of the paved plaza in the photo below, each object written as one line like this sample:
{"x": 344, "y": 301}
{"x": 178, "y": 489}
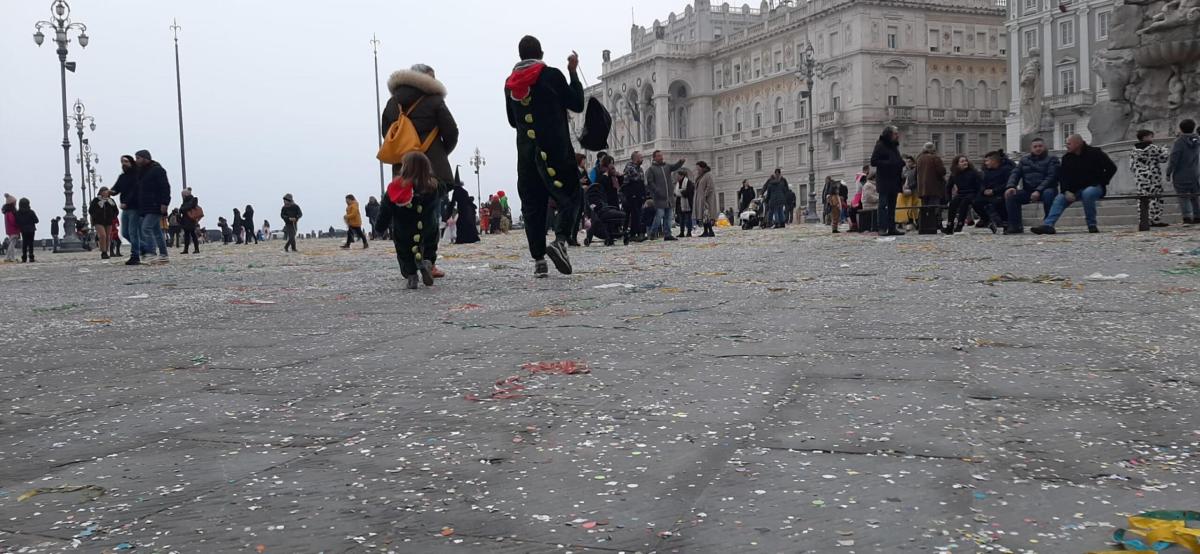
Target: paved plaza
{"x": 766, "y": 391}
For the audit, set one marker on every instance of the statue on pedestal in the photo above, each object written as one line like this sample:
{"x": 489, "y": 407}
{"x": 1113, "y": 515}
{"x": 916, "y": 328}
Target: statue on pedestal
{"x": 1032, "y": 108}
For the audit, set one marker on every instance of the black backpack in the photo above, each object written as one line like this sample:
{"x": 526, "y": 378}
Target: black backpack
{"x": 597, "y": 123}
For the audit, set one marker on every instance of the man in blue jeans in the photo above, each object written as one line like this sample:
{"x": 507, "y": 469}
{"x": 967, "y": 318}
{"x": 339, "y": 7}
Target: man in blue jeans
{"x": 154, "y": 197}
{"x": 1034, "y": 180}
{"x": 1086, "y": 172}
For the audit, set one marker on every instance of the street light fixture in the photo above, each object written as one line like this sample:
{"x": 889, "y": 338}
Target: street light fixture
{"x": 60, "y": 22}
{"x": 807, "y": 72}
{"x": 477, "y": 162}
{"x": 87, "y": 160}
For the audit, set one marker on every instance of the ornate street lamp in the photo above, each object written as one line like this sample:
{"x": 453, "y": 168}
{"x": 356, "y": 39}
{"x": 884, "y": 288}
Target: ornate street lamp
{"x": 807, "y": 72}
{"x": 477, "y": 162}
{"x": 60, "y": 23}
{"x": 88, "y": 162}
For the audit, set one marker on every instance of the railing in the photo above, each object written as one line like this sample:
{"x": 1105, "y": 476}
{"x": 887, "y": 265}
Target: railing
{"x": 962, "y": 115}
{"x": 900, "y": 113}
{"x": 776, "y": 129}
{"x": 800, "y": 124}
{"x": 736, "y": 136}
{"x": 937, "y": 114}
{"x": 1076, "y": 99}
{"x": 827, "y": 119}
{"x": 755, "y": 133}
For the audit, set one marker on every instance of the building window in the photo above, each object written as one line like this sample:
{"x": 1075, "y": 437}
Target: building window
{"x": 716, "y": 32}
{"x": 1103, "y": 20}
{"x": 835, "y": 151}
{"x": 1031, "y": 6}
{"x": 720, "y": 124}
{"x": 981, "y": 43}
{"x": 893, "y": 40}
{"x": 985, "y": 143}
{"x": 835, "y": 103}
{"x": 737, "y": 164}
{"x": 778, "y": 156}
{"x": 778, "y": 61}
{"x": 1066, "y": 79}
{"x": 757, "y": 115}
{"x": 758, "y": 165}
{"x": 778, "y": 111}
{"x": 960, "y": 143}
{"x": 1029, "y": 39}
{"x": 721, "y": 201}
{"x": 935, "y": 40}
{"x": 936, "y": 139}
{"x": 833, "y": 43}
{"x": 737, "y": 73}
{"x": 1068, "y": 129}
{"x": 893, "y": 100}
{"x": 801, "y": 108}
{"x": 1066, "y": 33}
{"x": 757, "y": 68}
{"x": 958, "y": 41}
{"x": 717, "y": 79}
{"x": 737, "y": 119}
{"x": 720, "y": 165}
{"x": 801, "y": 150}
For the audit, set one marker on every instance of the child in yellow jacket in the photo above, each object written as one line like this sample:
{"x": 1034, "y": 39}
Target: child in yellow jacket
{"x": 353, "y": 221}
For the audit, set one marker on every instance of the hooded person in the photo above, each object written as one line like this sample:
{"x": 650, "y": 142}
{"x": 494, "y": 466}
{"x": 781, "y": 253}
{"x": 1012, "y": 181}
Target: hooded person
{"x": 290, "y": 213}
{"x": 407, "y": 209}
{"x": 537, "y": 99}
{"x": 248, "y": 222}
{"x": 1183, "y": 168}
{"x": 190, "y": 202}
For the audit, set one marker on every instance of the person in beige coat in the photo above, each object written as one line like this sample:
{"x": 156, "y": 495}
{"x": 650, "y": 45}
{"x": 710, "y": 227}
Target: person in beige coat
{"x": 706, "y": 199}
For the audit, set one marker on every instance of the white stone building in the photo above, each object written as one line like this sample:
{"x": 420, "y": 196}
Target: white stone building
{"x": 719, "y": 83}
{"x": 1067, "y": 34}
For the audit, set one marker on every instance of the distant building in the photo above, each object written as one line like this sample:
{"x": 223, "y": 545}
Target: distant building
{"x": 720, "y": 84}
{"x": 1067, "y": 34}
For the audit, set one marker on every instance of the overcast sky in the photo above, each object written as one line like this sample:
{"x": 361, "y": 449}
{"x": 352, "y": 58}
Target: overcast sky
{"x": 278, "y": 95}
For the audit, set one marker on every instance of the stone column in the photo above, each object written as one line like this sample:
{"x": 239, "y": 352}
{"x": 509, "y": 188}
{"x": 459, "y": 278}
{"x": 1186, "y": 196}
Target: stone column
{"x": 1084, "y": 36}
{"x": 662, "y": 123}
{"x": 1047, "y": 55}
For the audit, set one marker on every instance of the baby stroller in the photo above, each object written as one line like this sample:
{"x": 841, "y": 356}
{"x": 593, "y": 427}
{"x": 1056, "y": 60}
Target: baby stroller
{"x": 752, "y": 217}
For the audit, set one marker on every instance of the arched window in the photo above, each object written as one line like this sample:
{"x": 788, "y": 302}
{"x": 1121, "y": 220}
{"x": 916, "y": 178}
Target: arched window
{"x": 835, "y": 97}
{"x": 934, "y": 96}
{"x": 958, "y": 95}
{"x": 982, "y": 96}
{"x": 801, "y": 107}
{"x": 720, "y": 124}
{"x": 893, "y": 92}
{"x": 737, "y": 119}
{"x": 778, "y": 110}
{"x": 1002, "y": 95}
{"x": 757, "y": 115}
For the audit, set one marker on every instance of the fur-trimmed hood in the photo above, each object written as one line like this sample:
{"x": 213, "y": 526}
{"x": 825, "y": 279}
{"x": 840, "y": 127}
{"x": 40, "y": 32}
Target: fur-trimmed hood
{"x": 417, "y": 80}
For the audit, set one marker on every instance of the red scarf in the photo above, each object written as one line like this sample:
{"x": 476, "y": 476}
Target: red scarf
{"x": 400, "y": 192}
{"x": 522, "y": 78}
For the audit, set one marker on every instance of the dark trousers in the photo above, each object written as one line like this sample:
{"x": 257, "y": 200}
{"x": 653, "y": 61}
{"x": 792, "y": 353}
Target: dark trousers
{"x": 189, "y": 236}
{"x": 886, "y": 215}
{"x": 633, "y": 217}
{"x": 355, "y": 231}
{"x": 991, "y": 207}
{"x": 686, "y": 223}
{"x": 250, "y": 234}
{"x": 289, "y": 231}
{"x": 536, "y": 193}
{"x": 26, "y": 245}
{"x": 960, "y": 208}
{"x": 607, "y": 223}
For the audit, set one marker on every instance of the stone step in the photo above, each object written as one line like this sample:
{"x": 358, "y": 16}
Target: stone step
{"x": 1111, "y": 214}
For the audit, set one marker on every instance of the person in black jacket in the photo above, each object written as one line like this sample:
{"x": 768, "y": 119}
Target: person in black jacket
{"x": 889, "y": 178}
{"x": 127, "y": 189}
{"x": 190, "y": 202}
{"x": 965, "y": 184}
{"x": 248, "y": 223}
{"x": 1084, "y": 176}
{"x": 537, "y": 98}
{"x": 745, "y": 196}
{"x": 55, "y": 224}
{"x": 408, "y": 210}
{"x": 27, "y": 221}
{"x": 997, "y": 168}
{"x": 154, "y": 197}
{"x": 102, "y": 210}
{"x": 603, "y": 200}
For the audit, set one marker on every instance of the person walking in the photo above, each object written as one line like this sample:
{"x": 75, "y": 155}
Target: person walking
{"x": 965, "y": 184}
{"x": 226, "y": 231}
{"x": 834, "y": 195}
{"x": 290, "y": 214}
{"x": 1086, "y": 173}
{"x": 538, "y": 98}
{"x": 102, "y": 210}
{"x": 27, "y": 221}
{"x": 238, "y": 226}
{"x": 685, "y": 195}
{"x": 173, "y": 228}
{"x": 465, "y": 230}
{"x": 705, "y": 199}
{"x": 633, "y": 195}
{"x": 775, "y": 190}
{"x": 868, "y": 220}
{"x": 745, "y": 196}
{"x": 126, "y": 188}
{"x": 372, "y": 210}
{"x": 190, "y": 214}
{"x": 931, "y": 188}
{"x": 1183, "y": 168}
{"x": 889, "y": 173}
{"x": 55, "y": 225}
{"x": 248, "y": 223}
{"x": 114, "y": 237}
{"x": 154, "y": 199}
{"x": 407, "y": 209}
{"x": 659, "y": 185}
{"x": 353, "y": 221}
{"x": 11, "y": 229}
{"x": 1035, "y": 179}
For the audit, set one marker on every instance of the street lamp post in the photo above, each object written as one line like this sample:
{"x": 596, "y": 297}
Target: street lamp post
{"x": 82, "y": 119}
{"x": 807, "y": 72}
{"x": 378, "y": 110}
{"x": 179, "y": 103}
{"x": 88, "y": 162}
{"x": 477, "y": 162}
{"x": 60, "y": 23}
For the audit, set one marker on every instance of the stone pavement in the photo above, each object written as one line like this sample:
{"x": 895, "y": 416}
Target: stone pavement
{"x": 767, "y": 391}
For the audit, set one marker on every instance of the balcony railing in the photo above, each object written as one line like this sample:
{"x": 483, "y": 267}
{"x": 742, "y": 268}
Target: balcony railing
{"x": 755, "y": 133}
{"x": 800, "y": 124}
{"x": 962, "y": 115}
{"x": 827, "y": 119}
{"x": 937, "y": 114}
{"x": 1081, "y": 99}
{"x": 900, "y": 113}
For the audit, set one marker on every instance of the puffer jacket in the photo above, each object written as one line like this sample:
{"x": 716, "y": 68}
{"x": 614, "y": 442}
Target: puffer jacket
{"x": 353, "y": 218}
{"x": 996, "y": 180}
{"x": 409, "y": 86}
{"x": 1036, "y": 173}
{"x": 1184, "y": 164}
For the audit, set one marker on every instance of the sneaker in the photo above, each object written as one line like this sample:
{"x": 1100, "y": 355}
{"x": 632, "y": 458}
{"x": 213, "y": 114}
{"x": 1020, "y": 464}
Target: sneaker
{"x": 540, "y": 269}
{"x": 133, "y": 261}
{"x": 412, "y": 282}
{"x": 104, "y": 255}
{"x": 1013, "y": 231}
{"x": 425, "y": 268}
{"x": 1043, "y": 230}
{"x": 992, "y": 227}
{"x": 557, "y": 251}
{"x": 669, "y": 238}
{"x": 1093, "y": 229}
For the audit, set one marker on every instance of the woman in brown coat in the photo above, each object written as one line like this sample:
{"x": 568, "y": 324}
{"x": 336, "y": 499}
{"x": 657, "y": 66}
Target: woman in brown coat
{"x": 930, "y": 173}
{"x": 706, "y": 199}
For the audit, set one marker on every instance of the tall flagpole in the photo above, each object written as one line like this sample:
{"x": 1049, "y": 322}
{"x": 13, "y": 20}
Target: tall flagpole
{"x": 179, "y": 102}
{"x": 378, "y": 112}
